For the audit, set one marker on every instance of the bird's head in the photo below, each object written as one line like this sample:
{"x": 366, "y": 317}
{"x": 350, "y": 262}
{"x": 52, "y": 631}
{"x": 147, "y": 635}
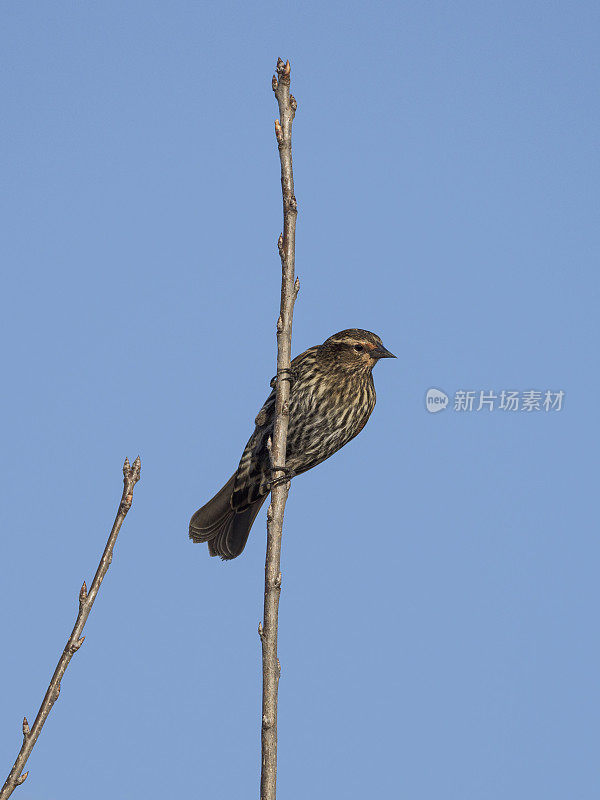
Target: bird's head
{"x": 354, "y": 350}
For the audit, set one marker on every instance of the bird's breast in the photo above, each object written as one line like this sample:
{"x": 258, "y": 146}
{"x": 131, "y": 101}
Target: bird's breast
{"x": 324, "y": 416}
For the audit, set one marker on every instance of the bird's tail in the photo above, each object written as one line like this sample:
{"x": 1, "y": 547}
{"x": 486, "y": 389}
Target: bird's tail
{"x": 225, "y": 529}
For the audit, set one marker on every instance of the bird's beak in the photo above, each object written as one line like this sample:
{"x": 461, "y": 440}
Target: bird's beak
{"x": 381, "y": 352}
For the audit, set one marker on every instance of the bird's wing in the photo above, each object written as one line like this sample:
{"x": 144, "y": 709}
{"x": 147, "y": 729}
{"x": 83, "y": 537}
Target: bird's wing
{"x": 252, "y": 474}
{"x": 254, "y": 470}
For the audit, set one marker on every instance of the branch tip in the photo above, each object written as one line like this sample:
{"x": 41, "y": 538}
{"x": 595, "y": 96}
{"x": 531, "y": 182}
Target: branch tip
{"x": 132, "y": 472}
{"x": 283, "y": 72}
{"x": 22, "y": 778}
{"x": 137, "y": 469}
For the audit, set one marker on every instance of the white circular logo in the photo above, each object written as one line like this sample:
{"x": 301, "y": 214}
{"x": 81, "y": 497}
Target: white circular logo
{"x": 435, "y": 400}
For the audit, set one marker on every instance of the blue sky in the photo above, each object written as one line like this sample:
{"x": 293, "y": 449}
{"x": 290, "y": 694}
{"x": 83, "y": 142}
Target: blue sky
{"x": 439, "y": 607}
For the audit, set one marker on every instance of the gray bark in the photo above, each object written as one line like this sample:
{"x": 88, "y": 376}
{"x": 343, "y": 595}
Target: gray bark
{"x": 280, "y": 488}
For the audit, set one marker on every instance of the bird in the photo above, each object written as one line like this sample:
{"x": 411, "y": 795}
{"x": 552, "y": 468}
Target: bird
{"x": 332, "y": 395}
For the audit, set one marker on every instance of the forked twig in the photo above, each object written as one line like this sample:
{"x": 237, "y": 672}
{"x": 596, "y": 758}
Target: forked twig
{"x": 279, "y": 492}
{"x": 131, "y": 475}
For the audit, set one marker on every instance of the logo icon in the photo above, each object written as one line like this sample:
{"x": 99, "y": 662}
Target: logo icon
{"x": 435, "y": 400}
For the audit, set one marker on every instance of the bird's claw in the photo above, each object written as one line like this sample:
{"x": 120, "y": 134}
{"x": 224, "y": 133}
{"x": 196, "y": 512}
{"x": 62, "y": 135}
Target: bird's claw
{"x": 287, "y": 476}
{"x": 286, "y": 374}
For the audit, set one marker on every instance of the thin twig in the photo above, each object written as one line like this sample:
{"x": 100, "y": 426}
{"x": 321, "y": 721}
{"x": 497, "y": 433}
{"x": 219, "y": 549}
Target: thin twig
{"x": 280, "y": 489}
{"x": 131, "y": 475}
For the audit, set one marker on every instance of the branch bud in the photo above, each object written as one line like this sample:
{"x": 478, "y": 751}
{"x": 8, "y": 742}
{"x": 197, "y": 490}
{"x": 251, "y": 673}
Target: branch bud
{"x": 76, "y": 645}
{"x": 279, "y": 324}
{"x": 83, "y": 593}
{"x": 274, "y": 83}
{"x": 22, "y": 778}
{"x": 278, "y": 132}
{"x": 137, "y": 469}
{"x": 126, "y": 468}
{"x": 26, "y": 728}
{"x": 283, "y": 71}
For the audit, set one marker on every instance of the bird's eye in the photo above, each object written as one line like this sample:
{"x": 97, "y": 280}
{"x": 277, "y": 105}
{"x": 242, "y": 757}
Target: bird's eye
{"x": 359, "y": 348}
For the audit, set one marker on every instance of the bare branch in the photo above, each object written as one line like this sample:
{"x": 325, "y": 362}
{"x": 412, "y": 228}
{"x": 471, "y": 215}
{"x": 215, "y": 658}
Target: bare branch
{"x": 280, "y": 487}
{"x": 131, "y": 475}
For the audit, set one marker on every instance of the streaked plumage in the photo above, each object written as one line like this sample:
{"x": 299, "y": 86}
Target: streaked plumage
{"x": 332, "y": 396}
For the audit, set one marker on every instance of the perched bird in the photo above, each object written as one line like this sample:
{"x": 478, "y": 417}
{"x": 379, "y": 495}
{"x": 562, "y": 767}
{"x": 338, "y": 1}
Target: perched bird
{"x": 332, "y": 395}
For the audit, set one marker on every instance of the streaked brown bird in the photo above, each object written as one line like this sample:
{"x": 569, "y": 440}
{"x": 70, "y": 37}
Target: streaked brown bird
{"x": 332, "y": 395}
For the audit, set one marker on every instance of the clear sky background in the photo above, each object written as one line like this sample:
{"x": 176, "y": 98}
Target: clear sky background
{"x": 439, "y": 613}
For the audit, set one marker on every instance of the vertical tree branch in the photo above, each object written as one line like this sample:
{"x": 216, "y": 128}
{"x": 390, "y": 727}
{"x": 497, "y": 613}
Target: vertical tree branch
{"x": 280, "y": 488}
{"x": 131, "y": 475}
